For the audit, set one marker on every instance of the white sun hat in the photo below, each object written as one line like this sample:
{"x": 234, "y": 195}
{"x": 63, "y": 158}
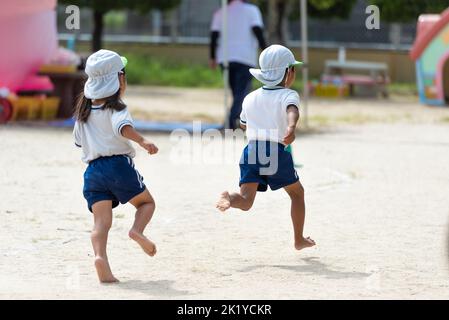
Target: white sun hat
{"x": 102, "y": 68}
{"x": 273, "y": 62}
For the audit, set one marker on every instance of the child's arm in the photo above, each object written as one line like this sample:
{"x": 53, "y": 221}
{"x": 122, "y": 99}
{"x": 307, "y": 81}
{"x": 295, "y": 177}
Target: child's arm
{"x": 292, "y": 118}
{"x": 130, "y": 133}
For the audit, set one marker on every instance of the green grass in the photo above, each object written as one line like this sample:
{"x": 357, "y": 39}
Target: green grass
{"x": 145, "y": 70}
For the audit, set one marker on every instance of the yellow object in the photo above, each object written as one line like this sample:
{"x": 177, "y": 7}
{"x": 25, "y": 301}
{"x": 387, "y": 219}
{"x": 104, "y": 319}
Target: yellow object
{"x": 55, "y": 68}
{"x": 20, "y": 108}
{"x": 34, "y": 107}
{"x": 50, "y": 108}
{"x": 331, "y": 90}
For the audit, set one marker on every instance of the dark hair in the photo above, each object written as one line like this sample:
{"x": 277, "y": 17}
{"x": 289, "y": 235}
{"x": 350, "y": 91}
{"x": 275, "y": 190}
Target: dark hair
{"x": 282, "y": 83}
{"x": 84, "y": 106}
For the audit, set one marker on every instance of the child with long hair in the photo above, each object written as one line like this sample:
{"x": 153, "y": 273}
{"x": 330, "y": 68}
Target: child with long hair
{"x": 103, "y": 130}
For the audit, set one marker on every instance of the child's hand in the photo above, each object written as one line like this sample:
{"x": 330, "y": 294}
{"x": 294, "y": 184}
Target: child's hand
{"x": 150, "y": 147}
{"x": 289, "y": 135}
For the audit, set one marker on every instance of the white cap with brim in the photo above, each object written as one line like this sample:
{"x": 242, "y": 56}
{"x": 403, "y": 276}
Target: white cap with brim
{"x": 273, "y": 62}
{"x": 102, "y": 68}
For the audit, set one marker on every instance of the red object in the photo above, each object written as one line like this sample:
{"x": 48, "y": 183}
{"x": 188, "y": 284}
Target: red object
{"x": 36, "y": 83}
{"x": 428, "y": 28}
{"x": 5, "y": 110}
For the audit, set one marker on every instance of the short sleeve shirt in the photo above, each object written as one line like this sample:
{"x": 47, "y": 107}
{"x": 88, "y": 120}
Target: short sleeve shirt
{"x": 242, "y": 44}
{"x": 264, "y": 112}
{"x": 101, "y": 135}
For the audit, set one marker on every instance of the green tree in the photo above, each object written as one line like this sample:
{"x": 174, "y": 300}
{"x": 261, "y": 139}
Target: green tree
{"x": 101, "y": 7}
{"x": 280, "y": 10}
{"x": 408, "y": 10}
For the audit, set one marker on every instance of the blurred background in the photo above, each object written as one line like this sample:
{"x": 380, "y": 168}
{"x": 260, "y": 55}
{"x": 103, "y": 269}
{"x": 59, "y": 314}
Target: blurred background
{"x": 184, "y": 25}
{"x": 167, "y": 44}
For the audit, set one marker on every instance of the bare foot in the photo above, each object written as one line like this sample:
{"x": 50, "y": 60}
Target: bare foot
{"x": 104, "y": 271}
{"x": 148, "y": 246}
{"x": 304, "y": 243}
{"x": 224, "y": 203}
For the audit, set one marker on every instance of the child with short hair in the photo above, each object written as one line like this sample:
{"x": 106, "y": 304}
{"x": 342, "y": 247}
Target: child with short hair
{"x": 269, "y": 115}
{"x": 102, "y": 130}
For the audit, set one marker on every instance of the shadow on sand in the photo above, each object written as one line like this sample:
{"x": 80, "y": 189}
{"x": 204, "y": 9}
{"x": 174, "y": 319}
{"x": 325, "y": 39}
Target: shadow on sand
{"x": 312, "y": 266}
{"x": 158, "y": 288}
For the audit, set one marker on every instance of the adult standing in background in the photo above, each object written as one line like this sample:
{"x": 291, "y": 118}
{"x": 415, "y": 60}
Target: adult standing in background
{"x": 245, "y": 35}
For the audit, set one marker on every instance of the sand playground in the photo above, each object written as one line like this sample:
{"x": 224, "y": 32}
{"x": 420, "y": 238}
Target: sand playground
{"x": 376, "y": 178}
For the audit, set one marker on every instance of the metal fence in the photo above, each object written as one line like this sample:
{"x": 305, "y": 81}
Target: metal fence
{"x": 190, "y": 22}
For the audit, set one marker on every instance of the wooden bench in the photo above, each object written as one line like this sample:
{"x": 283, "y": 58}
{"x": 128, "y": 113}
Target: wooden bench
{"x": 377, "y": 78}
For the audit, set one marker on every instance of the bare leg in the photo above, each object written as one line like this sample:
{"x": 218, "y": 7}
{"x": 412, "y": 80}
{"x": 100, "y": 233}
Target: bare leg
{"x": 102, "y": 211}
{"x": 243, "y": 200}
{"x": 145, "y": 206}
{"x": 298, "y": 212}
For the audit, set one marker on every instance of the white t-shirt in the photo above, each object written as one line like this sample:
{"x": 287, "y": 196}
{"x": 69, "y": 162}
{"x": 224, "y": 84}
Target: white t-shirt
{"x": 242, "y": 43}
{"x": 264, "y": 112}
{"x": 101, "y": 135}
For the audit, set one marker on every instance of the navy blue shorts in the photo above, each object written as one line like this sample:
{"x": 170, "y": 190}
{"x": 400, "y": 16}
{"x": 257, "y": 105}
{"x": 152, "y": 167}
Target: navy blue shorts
{"x": 267, "y": 163}
{"x": 112, "y": 178}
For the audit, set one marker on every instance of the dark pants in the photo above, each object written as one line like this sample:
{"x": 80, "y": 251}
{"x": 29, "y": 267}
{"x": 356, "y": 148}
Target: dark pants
{"x": 240, "y": 83}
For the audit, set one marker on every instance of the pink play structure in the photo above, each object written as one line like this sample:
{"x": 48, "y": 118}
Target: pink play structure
{"x": 431, "y": 55}
{"x": 29, "y": 39}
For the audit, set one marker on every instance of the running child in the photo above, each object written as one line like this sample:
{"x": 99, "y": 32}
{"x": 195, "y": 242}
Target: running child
{"x": 103, "y": 130}
{"x": 269, "y": 116}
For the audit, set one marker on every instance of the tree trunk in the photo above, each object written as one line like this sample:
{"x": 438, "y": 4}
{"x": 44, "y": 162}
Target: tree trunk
{"x": 97, "y": 35}
{"x": 276, "y": 21}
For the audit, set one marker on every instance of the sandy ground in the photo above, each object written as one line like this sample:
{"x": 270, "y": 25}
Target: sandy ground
{"x": 376, "y": 197}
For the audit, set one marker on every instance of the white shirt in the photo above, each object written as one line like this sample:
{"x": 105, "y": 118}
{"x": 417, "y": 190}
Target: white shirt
{"x": 101, "y": 135}
{"x": 264, "y": 112}
{"x": 242, "y": 43}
